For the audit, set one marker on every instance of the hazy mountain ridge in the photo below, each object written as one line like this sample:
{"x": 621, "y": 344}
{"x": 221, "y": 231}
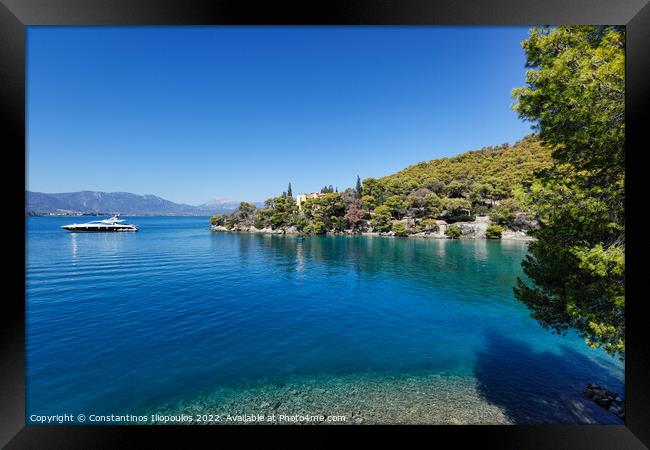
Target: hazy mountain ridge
{"x": 85, "y": 202}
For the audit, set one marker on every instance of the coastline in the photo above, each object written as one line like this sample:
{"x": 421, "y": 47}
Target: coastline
{"x": 508, "y": 235}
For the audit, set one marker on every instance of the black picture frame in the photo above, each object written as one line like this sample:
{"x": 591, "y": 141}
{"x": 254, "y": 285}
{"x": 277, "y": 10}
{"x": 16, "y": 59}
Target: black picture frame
{"x": 16, "y": 15}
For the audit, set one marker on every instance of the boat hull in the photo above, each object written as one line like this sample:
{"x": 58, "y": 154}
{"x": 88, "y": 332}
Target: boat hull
{"x": 83, "y": 229}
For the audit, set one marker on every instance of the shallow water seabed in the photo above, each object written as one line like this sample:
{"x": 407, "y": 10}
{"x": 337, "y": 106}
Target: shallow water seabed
{"x": 375, "y": 398}
{"x": 359, "y": 399}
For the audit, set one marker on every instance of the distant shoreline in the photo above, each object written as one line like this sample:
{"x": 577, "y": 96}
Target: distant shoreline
{"x": 507, "y": 235}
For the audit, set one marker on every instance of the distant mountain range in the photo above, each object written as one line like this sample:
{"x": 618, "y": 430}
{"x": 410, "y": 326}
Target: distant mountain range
{"x": 91, "y": 202}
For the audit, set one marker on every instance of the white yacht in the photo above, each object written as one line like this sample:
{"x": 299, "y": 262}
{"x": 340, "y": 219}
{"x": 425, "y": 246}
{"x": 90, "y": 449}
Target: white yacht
{"x": 106, "y": 225}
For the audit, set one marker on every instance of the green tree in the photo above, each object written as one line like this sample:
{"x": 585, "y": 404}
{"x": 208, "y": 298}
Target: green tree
{"x": 369, "y": 202}
{"x": 434, "y": 185}
{"x": 246, "y": 208}
{"x": 301, "y": 222}
{"x": 504, "y": 213}
{"x": 434, "y": 205}
{"x": 396, "y": 205}
{"x": 263, "y": 218}
{"x": 480, "y": 192}
{"x": 373, "y": 187}
{"x": 284, "y": 209}
{"x": 289, "y": 191}
{"x": 326, "y": 209}
{"x": 381, "y": 219}
{"x": 455, "y": 189}
{"x": 575, "y": 95}
{"x": 400, "y": 187}
{"x": 359, "y": 189}
{"x": 456, "y": 209}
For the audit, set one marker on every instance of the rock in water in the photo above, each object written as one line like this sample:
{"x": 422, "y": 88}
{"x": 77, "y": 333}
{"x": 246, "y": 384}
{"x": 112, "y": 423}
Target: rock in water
{"x": 604, "y": 402}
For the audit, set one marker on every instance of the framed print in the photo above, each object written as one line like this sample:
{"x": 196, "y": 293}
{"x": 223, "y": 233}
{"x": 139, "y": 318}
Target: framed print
{"x": 243, "y": 218}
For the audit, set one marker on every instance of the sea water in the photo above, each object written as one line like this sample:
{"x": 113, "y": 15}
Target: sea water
{"x": 176, "y": 317}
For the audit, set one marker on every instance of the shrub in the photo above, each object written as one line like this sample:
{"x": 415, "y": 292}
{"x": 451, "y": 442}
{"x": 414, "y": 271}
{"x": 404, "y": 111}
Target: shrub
{"x": 277, "y": 220}
{"x": 493, "y": 232}
{"x": 338, "y": 223}
{"x": 399, "y": 229}
{"x": 317, "y": 227}
{"x": 217, "y": 219}
{"x": 453, "y": 231}
{"x": 300, "y": 223}
{"x": 430, "y": 225}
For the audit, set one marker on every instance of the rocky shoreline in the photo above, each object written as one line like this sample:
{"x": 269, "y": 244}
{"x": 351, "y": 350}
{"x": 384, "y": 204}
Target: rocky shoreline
{"x": 469, "y": 230}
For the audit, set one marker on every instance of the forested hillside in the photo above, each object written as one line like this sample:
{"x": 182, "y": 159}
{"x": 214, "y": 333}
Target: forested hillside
{"x": 495, "y": 170}
{"x": 493, "y": 181}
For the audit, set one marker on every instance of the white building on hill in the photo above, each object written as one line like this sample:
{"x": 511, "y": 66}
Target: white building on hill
{"x": 301, "y": 198}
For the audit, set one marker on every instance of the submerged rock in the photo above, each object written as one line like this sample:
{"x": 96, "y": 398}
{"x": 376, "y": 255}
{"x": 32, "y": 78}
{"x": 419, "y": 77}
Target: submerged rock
{"x": 603, "y": 401}
{"x": 599, "y": 392}
{"x": 604, "y": 398}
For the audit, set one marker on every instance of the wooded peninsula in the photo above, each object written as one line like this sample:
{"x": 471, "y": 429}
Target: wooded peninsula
{"x": 429, "y": 198}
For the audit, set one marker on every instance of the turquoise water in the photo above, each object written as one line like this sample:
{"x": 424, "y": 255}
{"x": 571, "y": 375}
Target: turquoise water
{"x": 126, "y": 322}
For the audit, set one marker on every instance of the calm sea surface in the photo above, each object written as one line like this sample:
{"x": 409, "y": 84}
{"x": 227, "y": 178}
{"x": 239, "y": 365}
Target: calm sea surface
{"x": 126, "y": 322}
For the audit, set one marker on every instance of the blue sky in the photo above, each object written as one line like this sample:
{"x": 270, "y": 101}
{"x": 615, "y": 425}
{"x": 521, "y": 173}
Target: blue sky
{"x": 193, "y": 113}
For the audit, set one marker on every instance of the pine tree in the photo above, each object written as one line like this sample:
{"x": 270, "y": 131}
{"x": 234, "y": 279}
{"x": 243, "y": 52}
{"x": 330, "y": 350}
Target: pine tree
{"x": 575, "y": 95}
{"x": 289, "y": 193}
{"x": 359, "y": 190}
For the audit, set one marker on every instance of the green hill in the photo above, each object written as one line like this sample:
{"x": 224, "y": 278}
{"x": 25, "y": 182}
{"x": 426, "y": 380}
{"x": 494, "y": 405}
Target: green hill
{"x": 500, "y": 168}
{"x": 490, "y": 182}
